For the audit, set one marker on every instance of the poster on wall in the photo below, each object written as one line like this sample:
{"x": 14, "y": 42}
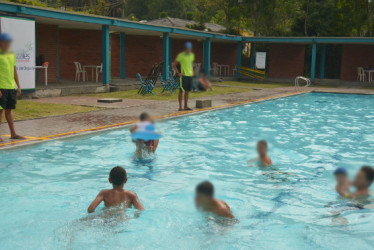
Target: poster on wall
{"x": 23, "y": 33}
{"x": 260, "y": 60}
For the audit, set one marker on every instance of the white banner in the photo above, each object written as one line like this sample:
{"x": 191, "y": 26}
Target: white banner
{"x": 23, "y": 33}
{"x": 260, "y": 60}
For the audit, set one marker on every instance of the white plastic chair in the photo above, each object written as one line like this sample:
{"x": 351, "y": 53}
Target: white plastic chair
{"x": 196, "y": 68}
{"x": 79, "y": 71}
{"x": 361, "y": 74}
{"x": 215, "y": 69}
{"x": 99, "y": 69}
{"x": 234, "y": 71}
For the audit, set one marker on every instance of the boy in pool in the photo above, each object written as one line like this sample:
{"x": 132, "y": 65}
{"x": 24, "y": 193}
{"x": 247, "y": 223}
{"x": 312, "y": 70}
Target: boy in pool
{"x": 206, "y": 202}
{"x": 150, "y": 146}
{"x": 118, "y": 195}
{"x": 342, "y": 182}
{"x": 262, "y": 150}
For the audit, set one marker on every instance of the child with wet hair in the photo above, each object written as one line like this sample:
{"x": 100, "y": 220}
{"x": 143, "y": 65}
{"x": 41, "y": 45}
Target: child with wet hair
{"x": 342, "y": 182}
{"x": 117, "y": 195}
{"x": 263, "y": 157}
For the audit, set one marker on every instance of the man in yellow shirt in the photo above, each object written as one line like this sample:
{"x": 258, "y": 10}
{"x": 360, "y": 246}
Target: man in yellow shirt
{"x": 8, "y": 81}
{"x": 185, "y": 59}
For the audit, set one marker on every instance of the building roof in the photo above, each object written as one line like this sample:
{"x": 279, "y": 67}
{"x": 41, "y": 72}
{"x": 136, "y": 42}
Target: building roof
{"x": 182, "y": 23}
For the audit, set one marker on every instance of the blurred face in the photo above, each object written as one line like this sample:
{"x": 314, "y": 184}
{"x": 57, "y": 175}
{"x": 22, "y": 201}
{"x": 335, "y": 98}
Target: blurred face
{"x": 201, "y": 201}
{"x": 5, "y": 46}
{"x": 188, "y": 50}
{"x": 360, "y": 180}
{"x": 149, "y": 119}
{"x": 261, "y": 149}
{"x": 340, "y": 178}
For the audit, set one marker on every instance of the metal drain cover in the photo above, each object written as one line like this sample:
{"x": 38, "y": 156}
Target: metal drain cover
{"x": 109, "y": 100}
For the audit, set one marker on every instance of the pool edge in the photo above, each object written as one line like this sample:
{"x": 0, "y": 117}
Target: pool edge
{"x": 85, "y": 132}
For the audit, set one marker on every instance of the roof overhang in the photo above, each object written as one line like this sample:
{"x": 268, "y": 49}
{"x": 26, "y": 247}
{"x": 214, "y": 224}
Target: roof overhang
{"x": 311, "y": 40}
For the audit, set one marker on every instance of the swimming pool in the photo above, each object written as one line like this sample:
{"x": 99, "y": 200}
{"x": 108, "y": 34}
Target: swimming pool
{"x": 46, "y": 189}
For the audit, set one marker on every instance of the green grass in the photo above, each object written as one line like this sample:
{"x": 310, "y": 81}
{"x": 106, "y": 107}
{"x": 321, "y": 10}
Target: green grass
{"x": 30, "y": 110}
{"x": 255, "y": 85}
{"x": 133, "y": 94}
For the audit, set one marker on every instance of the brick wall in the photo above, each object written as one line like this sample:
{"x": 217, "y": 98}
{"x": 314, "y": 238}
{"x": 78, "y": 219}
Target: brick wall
{"x": 141, "y": 53}
{"x": 46, "y": 36}
{"x": 224, "y": 53}
{"x": 286, "y": 60}
{"x": 354, "y": 56}
{"x": 83, "y": 46}
{"x": 115, "y": 55}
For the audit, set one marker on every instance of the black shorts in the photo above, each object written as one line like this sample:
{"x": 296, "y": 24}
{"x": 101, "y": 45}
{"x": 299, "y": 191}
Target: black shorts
{"x": 8, "y": 99}
{"x": 187, "y": 82}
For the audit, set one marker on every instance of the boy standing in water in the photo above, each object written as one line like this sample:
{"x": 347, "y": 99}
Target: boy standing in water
{"x": 8, "y": 81}
{"x": 206, "y": 202}
{"x": 262, "y": 150}
{"x": 118, "y": 195}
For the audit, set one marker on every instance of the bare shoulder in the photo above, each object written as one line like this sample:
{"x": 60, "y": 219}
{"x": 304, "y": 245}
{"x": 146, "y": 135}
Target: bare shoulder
{"x": 223, "y": 204}
{"x": 131, "y": 194}
{"x": 104, "y": 192}
{"x": 223, "y": 209}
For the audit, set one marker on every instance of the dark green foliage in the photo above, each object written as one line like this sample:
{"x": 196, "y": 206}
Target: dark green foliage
{"x": 262, "y": 17}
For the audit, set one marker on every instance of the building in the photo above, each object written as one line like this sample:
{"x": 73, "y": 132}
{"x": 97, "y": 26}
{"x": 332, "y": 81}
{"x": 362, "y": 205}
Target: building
{"x": 181, "y": 23}
{"x": 125, "y": 47}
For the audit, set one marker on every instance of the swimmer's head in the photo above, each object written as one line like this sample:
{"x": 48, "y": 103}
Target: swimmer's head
{"x": 188, "y": 47}
{"x": 5, "y": 41}
{"x": 118, "y": 176}
{"x": 204, "y": 194}
{"x": 364, "y": 177}
{"x": 262, "y": 147}
{"x": 145, "y": 117}
{"x": 340, "y": 175}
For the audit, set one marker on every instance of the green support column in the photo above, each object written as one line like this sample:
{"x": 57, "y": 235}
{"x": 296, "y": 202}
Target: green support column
{"x": 238, "y": 58}
{"x": 322, "y": 62}
{"x": 58, "y": 55}
{"x": 122, "y": 55}
{"x": 170, "y": 52}
{"x": 105, "y": 54}
{"x": 206, "y": 56}
{"x": 165, "y": 54}
{"x": 313, "y": 66}
{"x": 252, "y": 58}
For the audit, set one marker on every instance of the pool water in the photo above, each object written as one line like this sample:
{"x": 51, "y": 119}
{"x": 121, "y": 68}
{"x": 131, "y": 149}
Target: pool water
{"x": 46, "y": 189}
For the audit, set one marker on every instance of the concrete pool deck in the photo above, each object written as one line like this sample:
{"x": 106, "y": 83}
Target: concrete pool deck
{"x": 127, "y": 112}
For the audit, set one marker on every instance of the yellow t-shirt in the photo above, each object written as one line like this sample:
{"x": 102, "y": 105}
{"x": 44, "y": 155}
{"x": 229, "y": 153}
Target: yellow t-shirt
{"x": 186, "y": 61}
{"x": 7, "y": 64}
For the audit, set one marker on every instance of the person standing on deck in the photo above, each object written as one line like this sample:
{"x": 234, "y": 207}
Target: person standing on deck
{"x": 185, "y": 59}
{"x": 8, "y": 81}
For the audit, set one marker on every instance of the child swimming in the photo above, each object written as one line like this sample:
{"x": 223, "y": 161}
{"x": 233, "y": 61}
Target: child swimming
{"x": 363, "y": 180}
{"x": 151, "y": 145}
{"x": 263, "y": 159}
{"x": 206, "y": 202}
{"x": 342, "y": 182}
{"x": 118, "y": 195}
